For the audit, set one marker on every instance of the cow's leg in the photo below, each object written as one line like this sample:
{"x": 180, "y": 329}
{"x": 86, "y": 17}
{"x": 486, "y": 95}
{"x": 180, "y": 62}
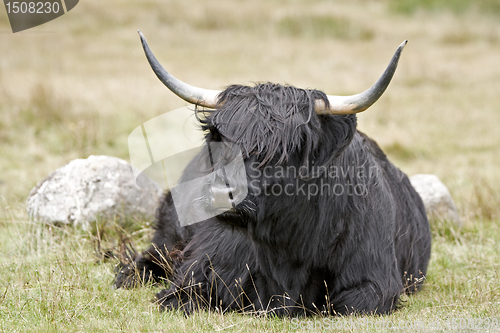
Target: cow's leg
{"x": 365, "y": 298}
{"x": 188, "y": 299}
{"x": 156, "y": 263}
{"x": 153, "y": 264}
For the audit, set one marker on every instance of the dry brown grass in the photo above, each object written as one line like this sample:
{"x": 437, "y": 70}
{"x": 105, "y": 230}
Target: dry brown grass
{"x": 439, "y": 115}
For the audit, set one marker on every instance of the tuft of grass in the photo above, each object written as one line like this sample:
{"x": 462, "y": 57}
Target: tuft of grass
{"x": 46, "y": 113}
{"x": 445, "y": 230}
{"x": 323, "y": 26}
{"x": 44, "y": 108}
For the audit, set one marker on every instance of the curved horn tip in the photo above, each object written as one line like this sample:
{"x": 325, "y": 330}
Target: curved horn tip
{"x": 361, "y": 102}
{"x": 203, "y": 97}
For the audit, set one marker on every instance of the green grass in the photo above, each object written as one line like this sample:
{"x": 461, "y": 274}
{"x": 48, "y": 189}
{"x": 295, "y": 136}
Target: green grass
{"x": 491, "y": 7}
{"x": 53, "y": 280}
{"x": 83, "y": 89}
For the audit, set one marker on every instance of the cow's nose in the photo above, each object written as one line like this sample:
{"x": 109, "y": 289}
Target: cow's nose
{"x": 222, "y": 197}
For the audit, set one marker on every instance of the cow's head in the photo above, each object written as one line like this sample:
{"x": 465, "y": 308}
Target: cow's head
{"x": 277, "y": 130}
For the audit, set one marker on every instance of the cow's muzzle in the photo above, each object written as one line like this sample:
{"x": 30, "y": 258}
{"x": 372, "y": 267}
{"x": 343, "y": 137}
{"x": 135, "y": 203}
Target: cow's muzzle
{"x": 222, "y": 197}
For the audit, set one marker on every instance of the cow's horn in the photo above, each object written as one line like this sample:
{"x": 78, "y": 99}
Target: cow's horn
{"x": 361, "y": 102}
{"x": 195, "y": 95}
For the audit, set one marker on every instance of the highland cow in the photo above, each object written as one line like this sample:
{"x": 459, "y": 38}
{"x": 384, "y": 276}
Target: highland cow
{"x": 329, "y": 225}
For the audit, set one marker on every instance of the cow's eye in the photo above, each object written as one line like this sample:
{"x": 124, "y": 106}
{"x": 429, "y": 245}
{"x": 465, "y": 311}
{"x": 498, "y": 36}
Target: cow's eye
{"x": 216, "y": 136}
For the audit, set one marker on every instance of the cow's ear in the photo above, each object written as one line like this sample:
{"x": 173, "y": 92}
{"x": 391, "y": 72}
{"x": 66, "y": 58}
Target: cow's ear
{"x": 337, "y": 133}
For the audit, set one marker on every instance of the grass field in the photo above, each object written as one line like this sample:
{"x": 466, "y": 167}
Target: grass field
{"x": 80, "y": 84}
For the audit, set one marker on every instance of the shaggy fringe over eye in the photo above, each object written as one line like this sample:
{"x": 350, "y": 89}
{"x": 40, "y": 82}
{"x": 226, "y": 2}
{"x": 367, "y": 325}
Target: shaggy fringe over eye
{"x": 268, "y": 120}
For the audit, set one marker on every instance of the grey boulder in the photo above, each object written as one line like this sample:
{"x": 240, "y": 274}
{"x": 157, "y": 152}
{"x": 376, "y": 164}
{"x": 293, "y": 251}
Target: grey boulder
{"x": 436, "y": 197}
{"x": 99, "y": 187}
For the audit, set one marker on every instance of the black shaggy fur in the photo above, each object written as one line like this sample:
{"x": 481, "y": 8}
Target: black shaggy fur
{"x": 312, "y": 249}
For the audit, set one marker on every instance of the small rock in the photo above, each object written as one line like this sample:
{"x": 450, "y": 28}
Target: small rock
{"x": 99, "y": 187}
{"x": 437, "y": 199}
